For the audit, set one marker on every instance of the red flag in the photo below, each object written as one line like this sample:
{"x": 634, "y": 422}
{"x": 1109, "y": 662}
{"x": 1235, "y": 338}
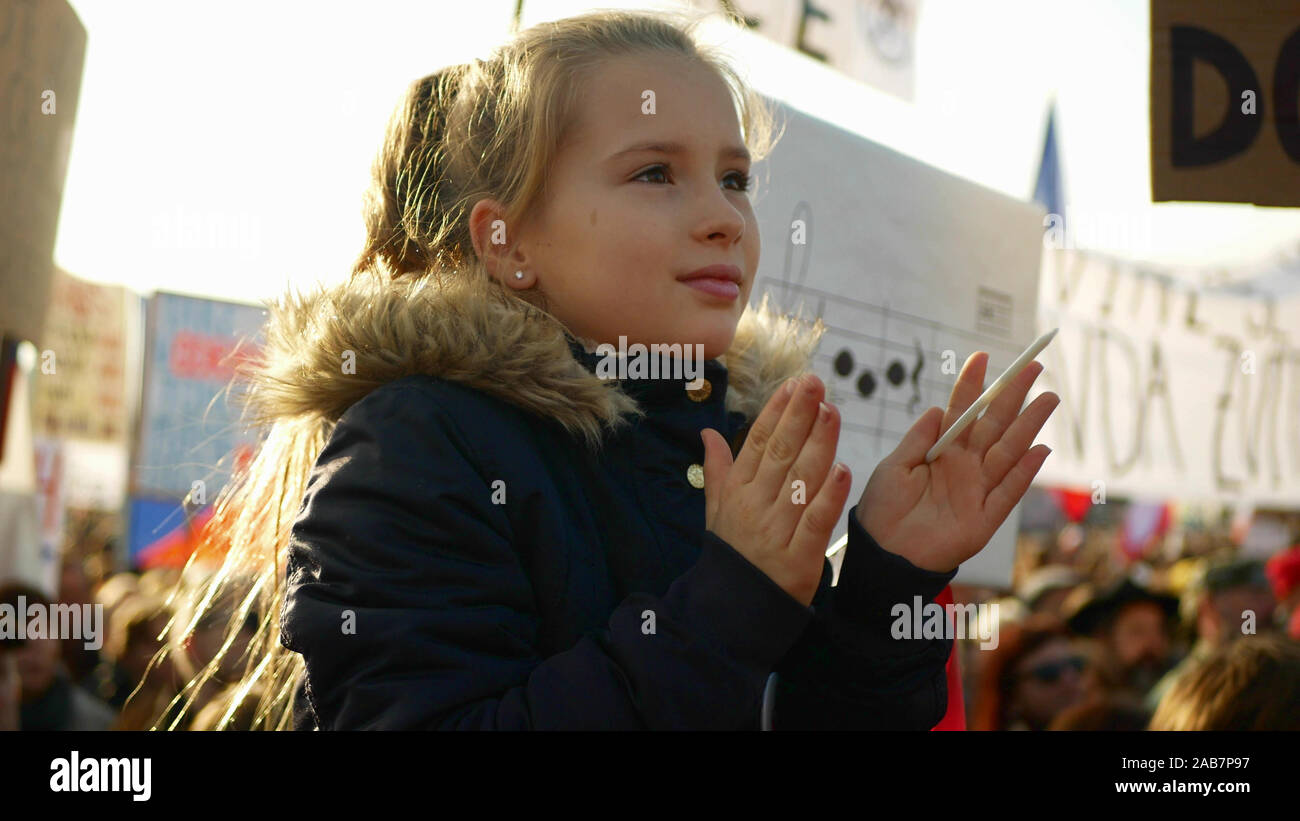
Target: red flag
{"x": 955, "y": 718}
{"x": 1074, "y": 503}
{"x": 174, "y": 549}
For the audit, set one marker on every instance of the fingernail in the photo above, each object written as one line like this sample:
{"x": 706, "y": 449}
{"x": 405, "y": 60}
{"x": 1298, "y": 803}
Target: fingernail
{"x": 807, "y": 380}
{"x": 824, "y": 412}
{"x": 841, "y": 471}
{"x": 788, "y": 386}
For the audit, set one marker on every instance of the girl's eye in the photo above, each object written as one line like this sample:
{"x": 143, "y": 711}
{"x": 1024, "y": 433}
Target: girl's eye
{"x": 660, "y": 170}
{"x": 743, "y": 180}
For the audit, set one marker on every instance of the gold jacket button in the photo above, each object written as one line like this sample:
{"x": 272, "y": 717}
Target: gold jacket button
{"x": 702, "y": 392}
{"x": 695, "y": 475}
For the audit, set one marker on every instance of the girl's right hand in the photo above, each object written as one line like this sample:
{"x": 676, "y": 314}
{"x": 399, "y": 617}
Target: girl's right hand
{"x": 755, "y": 504}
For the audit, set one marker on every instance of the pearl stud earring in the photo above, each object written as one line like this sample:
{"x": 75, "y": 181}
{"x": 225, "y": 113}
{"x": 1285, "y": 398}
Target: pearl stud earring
{"x": 519, "y": 274}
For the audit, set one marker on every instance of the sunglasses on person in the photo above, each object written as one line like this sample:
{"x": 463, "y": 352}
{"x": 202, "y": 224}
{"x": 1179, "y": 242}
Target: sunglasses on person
{"x": 1050, "y": 672}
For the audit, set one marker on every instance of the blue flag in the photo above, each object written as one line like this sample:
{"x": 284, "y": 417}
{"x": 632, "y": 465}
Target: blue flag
{"x": 1049, "y": 191}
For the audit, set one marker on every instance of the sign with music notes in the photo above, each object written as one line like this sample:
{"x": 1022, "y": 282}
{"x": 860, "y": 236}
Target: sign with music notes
{"x": 912, "y": 270}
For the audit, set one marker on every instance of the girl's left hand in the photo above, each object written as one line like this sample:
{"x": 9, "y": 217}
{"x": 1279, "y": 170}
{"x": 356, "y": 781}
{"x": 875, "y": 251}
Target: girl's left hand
{"x": 939, "y": 514}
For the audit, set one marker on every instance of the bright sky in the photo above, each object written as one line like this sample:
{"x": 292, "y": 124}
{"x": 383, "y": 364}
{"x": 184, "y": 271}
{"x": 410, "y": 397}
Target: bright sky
{"x": 221, "y": 148}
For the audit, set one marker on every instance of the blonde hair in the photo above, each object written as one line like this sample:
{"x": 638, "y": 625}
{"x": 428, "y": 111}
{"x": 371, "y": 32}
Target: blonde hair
{"x": 484, "y": 129}
{"x": 492, "y": 128}
{"x": 1252, "y": 683}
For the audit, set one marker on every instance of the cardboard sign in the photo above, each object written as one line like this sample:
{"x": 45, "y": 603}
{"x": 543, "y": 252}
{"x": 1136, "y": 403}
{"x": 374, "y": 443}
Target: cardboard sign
{"x": 1224, "y": 83}
{"x": 912, "y": 270}
{"x": 42, "y": 46}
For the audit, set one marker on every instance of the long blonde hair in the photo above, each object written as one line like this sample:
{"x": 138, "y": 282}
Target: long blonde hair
{"x": 487, "y": 128}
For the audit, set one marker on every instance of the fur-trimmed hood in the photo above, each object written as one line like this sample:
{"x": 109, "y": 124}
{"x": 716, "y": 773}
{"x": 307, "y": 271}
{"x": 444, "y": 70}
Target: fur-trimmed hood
{"x": 328, "y": 348}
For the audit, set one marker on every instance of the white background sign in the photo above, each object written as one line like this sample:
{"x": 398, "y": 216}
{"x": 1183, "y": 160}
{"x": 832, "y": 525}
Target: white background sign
{"x": 902, "y": 262}
{"x": 873, "y": 41}
{"x": 1167, "y": 390}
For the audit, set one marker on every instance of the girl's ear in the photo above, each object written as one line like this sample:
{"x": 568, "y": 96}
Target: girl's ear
{"x": 496, "y": 244}
{"x": 485, "y": 220}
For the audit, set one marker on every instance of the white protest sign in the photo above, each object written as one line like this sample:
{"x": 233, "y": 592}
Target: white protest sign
{"x": 873, "y": 41}
{"x": 912, "y": 270}
{"x": 1167, "y": 390}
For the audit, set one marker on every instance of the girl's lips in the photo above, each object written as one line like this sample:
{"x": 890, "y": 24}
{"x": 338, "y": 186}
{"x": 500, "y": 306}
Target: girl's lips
{"x": 719, "y": 288}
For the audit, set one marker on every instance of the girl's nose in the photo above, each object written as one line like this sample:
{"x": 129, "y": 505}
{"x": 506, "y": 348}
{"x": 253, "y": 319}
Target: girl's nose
{"x": 723, "y": 221}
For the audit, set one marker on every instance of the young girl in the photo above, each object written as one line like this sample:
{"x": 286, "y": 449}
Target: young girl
{"x": 460, "y": 524}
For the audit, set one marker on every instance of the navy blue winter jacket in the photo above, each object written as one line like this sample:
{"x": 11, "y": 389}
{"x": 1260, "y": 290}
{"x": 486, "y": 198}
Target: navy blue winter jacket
{"x": 463, "y": 559}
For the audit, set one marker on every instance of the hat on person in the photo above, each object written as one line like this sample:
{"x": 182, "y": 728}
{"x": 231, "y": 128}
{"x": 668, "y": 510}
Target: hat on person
{"x": 1046, "y": 579}
{"x": 1098, "y": 610}
{"x": 1226, "y": 575}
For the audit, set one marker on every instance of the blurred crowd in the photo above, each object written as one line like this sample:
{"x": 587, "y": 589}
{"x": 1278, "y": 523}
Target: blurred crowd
{"x": 1187, "y": 632}
{"x": 144, "y": 673}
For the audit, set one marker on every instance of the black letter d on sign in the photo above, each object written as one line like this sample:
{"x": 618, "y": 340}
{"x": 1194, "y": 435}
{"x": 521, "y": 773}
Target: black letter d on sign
{"x": 1236, "y": 131}
{"x": 1286, "y": 88}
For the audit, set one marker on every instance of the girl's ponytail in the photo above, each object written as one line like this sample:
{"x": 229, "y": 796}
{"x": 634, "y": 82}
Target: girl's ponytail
{"x": 409, "y": 181}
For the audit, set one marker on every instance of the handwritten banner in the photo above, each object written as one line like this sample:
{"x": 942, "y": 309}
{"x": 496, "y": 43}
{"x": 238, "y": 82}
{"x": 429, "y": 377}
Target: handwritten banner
{"x": 1168, "y": 390}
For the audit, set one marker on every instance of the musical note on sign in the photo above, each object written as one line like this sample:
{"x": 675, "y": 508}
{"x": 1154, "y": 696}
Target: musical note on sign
{"x": 883, "y": 366}
{"x": 895, "y": 373}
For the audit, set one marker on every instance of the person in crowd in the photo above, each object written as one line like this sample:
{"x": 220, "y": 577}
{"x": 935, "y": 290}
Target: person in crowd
{"x": 74, "y": 589}
{"x": 49, "y": 699}
{"x": 1132, "y": 627}
{"x": 1103, "y": 712}
{"x": 134, "y": 678}
{"x": 1045, "y": 590}
{"x": 11, "y": 692}
{"x": 115, "y": 676}
{"x": 1284, "y": 575}
{"x": 1229, "y": 599}
{"x": 1035, "y": 673}
{"x": 209, "y": 647}
{"x": 116, "y": 590}
{"x": 1252, "y": 683}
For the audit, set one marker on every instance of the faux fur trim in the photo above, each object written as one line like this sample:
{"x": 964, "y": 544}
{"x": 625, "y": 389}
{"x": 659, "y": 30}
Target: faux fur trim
{"x": 328, "y": 348}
